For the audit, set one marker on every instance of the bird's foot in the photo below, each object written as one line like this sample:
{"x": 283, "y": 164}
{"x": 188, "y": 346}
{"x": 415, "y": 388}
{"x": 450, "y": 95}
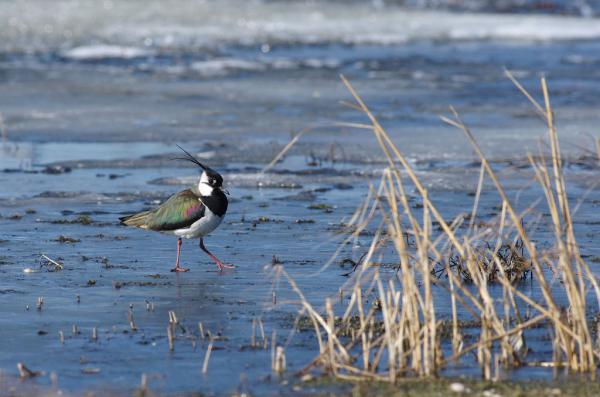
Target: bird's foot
{"x": 179, "y": 269}
{"x": 222, "y": 265}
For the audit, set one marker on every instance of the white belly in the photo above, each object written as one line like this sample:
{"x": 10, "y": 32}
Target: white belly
{"x": 201, "y": 227}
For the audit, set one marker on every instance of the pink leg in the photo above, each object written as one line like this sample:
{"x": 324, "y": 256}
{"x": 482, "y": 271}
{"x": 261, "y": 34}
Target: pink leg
{"x": 177, "y": 268}
{"x": 219, "y": 264}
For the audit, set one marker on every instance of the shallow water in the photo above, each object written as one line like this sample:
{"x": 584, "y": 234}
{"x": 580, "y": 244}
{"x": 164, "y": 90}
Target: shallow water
{"x": 116, "y": 270}
{"x": 95, "y": 98}
{"x": 135, "y": 271}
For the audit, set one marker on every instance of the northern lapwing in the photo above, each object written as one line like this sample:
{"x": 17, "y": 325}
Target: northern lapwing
{"x": 192, "y": 213}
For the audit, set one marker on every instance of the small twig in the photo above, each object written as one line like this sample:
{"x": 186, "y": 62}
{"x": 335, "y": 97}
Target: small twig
{"x": 280, "y": 363}
{"x": 173, "y": 318}
{"x": 201, "y": 329}
{"x": 143, "y": 386}
{"x": 131, "y": 321}
{"x": 207, "y": 357}
{"x": 25, "y": 372}
{"x": 170, "y": 338}
{"x": 273, "y": 347}
{"x": 262, "y": 334}
{"x": 57, "y": 266}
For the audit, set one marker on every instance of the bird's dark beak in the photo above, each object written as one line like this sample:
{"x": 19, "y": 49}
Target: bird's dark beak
{"x": 225, "y": 191}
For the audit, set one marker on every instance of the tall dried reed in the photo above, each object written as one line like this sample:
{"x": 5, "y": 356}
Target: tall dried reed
{"x": 391, "y": 326}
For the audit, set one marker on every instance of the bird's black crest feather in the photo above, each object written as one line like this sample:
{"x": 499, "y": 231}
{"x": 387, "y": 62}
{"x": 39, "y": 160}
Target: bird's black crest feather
{"x": 191, "y": 158}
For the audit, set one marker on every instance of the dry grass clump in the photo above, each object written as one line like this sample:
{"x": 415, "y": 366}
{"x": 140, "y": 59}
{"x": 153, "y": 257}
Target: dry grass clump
{"x": 508, "y": 260}
{"x": 401, "y": 334}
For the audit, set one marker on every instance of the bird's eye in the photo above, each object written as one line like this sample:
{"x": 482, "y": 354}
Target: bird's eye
{"x": 212, "y": 181}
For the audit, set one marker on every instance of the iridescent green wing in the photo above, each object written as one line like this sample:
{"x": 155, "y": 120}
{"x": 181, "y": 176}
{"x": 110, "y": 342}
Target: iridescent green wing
{"x": 179, "y": 211}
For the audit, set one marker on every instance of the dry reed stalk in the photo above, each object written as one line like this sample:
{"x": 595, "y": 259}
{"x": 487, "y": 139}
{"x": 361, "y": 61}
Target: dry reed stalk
{"x": 170, "y": 338}
{"x": 294, "y": 140}
{"x": 201, "y": 330}
{"x": 207, "y": 357}
{"x": 273, "y": 347}
{"x": 576, "y": 345}
{"x": 477, "y": 197}
{"x": 285, "y": 149}
{"x": 143, "y": 389}
{"x": 57, "y": 267}
{"x": 280, "y": 363}
{"x": 393, "y": 155}
{"x": 457, "y": 341}
{"x": 173, "y": 318}
{"x": 263, "y": 336}
{"x": 131, "y": 321}
{"x": 317, "y": 320}
{"x": 409, "y": 341}
{"x": 516, "y": 220}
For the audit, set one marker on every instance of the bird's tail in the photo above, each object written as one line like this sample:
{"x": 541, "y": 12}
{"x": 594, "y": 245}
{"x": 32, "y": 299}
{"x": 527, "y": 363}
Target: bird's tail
{"x": 137, "y": 220}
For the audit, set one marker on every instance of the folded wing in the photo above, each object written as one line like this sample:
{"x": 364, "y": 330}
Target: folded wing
{"x": 179, "y": 211}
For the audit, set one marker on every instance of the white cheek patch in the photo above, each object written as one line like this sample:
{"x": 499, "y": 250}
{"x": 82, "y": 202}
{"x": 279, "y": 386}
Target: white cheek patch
{"x": 204, "y": 189}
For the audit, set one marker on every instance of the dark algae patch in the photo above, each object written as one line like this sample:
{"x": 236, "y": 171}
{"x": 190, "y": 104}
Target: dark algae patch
{"x": 81, "y": 220}
{"x": 302, "y": 221}
{"x": 122, "y": 284}
{"x": 321, "y": 207}
{"x": 66, "y": 240}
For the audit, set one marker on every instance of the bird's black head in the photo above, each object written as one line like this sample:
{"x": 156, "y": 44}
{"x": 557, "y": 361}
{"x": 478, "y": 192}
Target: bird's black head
{"x": 209, "y": 179}
{"x": 213, "y": 178}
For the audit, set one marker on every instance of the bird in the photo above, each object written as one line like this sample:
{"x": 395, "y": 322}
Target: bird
{"x": 191, "y": 213}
